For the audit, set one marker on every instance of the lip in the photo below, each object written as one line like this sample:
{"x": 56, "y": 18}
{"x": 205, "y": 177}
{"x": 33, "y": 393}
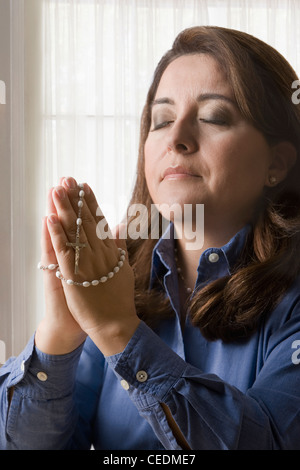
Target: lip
{"x": 177, "y": 172}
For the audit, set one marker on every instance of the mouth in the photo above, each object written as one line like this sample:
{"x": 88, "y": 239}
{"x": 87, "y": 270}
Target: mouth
{"x": 178, "y": 172}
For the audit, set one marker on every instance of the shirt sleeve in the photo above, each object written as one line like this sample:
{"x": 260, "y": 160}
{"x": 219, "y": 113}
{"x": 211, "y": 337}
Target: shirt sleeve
{"x": 212, "y": 414}
{"x": 42, "y": 400}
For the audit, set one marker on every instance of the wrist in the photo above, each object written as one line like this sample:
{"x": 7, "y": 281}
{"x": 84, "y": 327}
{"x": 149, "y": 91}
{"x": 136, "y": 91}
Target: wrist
{"x": 113, "y": 338}
{"x": 52, "y": 340}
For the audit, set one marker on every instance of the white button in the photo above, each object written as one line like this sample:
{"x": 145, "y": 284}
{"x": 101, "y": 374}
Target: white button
{"x": 213, "y": 257}
{"x": 124, "y": 384}
{"x": 142, "y": 376}
{"x": 22, "y": 366}
{"x": 42, "y": 376}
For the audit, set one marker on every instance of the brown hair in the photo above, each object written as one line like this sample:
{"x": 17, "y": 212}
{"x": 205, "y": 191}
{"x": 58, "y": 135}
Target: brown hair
{"x": 261, "y": 79}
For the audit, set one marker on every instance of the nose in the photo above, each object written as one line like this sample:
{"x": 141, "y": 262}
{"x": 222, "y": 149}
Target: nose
{"x": 182, "y": 138}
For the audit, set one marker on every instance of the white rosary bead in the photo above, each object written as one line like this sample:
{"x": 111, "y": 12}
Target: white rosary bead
{"x": 95, "y": 282}
{"x": 81, "y": 193}
{"x": 79, "y": 221}
{"x": 80, "y": 203}
{"x": 51, "y": 267}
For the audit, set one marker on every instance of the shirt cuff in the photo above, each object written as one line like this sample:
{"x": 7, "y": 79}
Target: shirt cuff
{"x": 141, "y": 369}
{"x": 44, "y": 376}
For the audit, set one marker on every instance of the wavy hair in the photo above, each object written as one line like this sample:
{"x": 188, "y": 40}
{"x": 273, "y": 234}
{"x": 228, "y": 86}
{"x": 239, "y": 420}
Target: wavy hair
{"x": 232, "y": 307}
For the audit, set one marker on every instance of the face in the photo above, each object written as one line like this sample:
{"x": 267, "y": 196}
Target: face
{"x": 200, "y": 149}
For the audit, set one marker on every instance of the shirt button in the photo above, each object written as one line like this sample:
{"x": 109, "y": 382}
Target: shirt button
{"x": 42, "y": 376}
{"x": 124, "y": 384}
{"x": 142, "y": 376}
{"x": 213, "y": 257}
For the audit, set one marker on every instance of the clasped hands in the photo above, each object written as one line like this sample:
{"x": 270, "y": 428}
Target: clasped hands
{"x": 105, "y": 312}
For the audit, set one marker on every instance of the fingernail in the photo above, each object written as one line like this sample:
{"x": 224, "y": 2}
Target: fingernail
{"x": 53, "y": 219}
{"x": 70, "y": 182}
{"x": 60, "y": 192}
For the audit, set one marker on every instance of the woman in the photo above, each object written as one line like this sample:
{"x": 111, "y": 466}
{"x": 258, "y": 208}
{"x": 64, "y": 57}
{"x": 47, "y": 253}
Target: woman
{"x": 206, "y": 358}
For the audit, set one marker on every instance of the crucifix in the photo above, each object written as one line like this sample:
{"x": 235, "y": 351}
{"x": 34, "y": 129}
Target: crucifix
{"x": 77, "y": 245}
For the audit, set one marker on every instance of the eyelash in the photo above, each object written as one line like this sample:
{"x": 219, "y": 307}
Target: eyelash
{"x": 216, "y": 122}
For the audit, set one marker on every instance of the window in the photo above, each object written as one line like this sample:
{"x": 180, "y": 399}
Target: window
{"x": 87, "y": 66}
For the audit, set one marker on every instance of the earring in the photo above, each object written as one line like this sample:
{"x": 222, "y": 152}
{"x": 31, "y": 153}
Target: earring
{"x": 272, "y": 180}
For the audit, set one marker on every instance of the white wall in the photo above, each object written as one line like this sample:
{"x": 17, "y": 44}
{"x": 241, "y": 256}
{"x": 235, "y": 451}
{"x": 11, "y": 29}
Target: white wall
{"x": 5, "y": 182}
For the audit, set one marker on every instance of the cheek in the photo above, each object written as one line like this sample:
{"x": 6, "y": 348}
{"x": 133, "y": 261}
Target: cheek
{"x": 150, "y": 165}
{"x": 246, "y": 159}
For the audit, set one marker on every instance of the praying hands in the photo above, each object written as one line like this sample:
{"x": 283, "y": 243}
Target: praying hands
{"x": 82, "y": 275}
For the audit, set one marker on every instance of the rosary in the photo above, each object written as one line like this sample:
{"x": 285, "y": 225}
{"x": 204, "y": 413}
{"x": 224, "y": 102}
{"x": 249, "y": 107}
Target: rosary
{"x": 77, "y": 247}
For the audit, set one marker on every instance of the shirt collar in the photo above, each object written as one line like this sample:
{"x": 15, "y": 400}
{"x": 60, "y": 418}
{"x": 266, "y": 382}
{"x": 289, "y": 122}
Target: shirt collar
{"x": 213, "y": 264}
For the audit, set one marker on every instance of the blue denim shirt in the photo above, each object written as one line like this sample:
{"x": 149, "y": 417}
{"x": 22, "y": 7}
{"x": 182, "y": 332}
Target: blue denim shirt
{"x": 239, "y": 395}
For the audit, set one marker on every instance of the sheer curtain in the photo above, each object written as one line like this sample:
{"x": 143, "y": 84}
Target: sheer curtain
{"x": 88, "y": 65}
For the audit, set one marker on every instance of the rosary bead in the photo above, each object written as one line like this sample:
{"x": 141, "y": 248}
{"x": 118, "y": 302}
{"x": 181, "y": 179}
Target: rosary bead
{"x": 81, "y": 193}
{"x": 52, "y": 267}
{"x": 79, "y": 221}
{"x": 95, "y": 282}
{"x": 80, "y": 203}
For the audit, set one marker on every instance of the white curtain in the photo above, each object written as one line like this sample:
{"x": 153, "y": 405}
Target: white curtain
{"x": 88, "y": 65}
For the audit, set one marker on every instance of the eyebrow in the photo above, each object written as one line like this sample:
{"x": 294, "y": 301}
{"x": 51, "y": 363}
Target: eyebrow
{"x": 200, "y": 99}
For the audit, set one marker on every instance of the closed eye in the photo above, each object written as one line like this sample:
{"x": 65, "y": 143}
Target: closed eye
{"x": 216, "y": 122}
{"x": 161, "y": 125}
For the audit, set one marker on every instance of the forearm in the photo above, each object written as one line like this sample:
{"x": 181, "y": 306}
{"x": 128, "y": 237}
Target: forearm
{"x": 41, "y": 413}
{"x": 208, "y": 412}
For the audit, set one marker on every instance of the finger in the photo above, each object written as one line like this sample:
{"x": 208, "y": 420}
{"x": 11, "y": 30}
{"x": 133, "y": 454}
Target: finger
{"x": 48, "y": 254}
{"x": 48, "y": 259}
{"x": 51, "y": 209}
{"x": 93, "y": 221}
{"x": 73, "y": 189}
{"x": 59, "y": 240}
{"x": 67, "y": 215}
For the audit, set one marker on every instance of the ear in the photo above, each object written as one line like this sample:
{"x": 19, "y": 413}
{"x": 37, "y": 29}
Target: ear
{"x": 284, "y": 156}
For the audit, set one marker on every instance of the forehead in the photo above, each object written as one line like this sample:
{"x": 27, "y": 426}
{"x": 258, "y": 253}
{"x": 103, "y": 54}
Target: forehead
{"x": 191, "y": 75}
